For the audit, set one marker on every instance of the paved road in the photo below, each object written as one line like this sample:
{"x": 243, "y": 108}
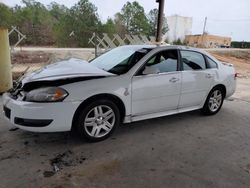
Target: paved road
{"x": 186, "y": 150}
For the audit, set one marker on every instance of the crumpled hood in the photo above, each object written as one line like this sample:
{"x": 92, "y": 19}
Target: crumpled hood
{"x": 71, "y": 68}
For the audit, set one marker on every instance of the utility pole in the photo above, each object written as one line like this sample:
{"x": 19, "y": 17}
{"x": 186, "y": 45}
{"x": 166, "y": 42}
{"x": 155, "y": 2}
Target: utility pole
{"x": 203, "y": 33}
{"x": 204, "y": 28}
{"x": 160, "y": 20}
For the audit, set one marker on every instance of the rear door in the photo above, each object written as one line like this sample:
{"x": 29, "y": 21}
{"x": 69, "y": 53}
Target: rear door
{"x": 196, "y": 79}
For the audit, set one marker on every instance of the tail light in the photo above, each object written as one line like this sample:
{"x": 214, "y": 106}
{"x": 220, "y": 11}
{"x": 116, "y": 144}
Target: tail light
{"x": 235, "y": 75}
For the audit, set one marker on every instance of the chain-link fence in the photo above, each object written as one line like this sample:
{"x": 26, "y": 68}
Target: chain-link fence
{"x": 28, "y": 59}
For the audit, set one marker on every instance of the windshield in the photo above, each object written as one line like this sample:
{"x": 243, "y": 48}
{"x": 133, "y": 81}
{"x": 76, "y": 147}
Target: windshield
{"x": 120, "y": 60}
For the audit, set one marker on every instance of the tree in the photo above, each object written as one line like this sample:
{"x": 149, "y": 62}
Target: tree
{"x": 133, "y": 18}
{"x": 119, "y": 26}
{"x": 62, "y": 23}
{"x": 57, "y": 11}
{"x": 109, "y": 27}
{"x": 153, "y": 20}
{"x": 85, "y": 21}
{"x": 177, "y": 42}
{"x": 5, "y": 16}
{"x": 240, "y": 44}
{"x": 34, "y": 21}
{"x": 53, "y": 24}
{"x": 58, "y": 25}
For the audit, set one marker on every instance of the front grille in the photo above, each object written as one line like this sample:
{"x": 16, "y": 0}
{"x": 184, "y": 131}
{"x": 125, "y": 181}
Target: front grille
{"x": 7, "y": 112}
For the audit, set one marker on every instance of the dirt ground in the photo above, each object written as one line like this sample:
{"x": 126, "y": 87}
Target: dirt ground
{"x": 184, "y": 150}
{"x": 34, "y": 58}
{"x": 240, "y": 59}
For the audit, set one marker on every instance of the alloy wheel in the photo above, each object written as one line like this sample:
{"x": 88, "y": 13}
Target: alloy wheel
{"x": 215, "y": 100}
{"x": 99, "y": 121}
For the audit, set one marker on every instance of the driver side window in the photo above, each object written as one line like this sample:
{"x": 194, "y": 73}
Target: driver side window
{"x": 165, "y": 61}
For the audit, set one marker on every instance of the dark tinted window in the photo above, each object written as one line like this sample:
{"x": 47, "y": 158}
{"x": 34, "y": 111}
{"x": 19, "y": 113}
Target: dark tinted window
{"x": 165, "y": 61}
{"x": 192, "y": 60}
{"x": 211, "y": 63}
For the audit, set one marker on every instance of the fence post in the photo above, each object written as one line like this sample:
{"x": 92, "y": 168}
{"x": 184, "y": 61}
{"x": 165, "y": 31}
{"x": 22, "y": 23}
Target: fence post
{"x": 5, "y": 62}
{"x": 96, "y": 46}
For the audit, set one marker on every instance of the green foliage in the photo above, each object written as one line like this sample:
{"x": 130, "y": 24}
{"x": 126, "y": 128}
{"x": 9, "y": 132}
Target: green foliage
{"x": 61, "y": 20}
{"x": 153, "y": 20}
{"x": 133, "y": 17}
{"x": 178, "y": 42}
{"x": 109, "y": 26}
{"x": 5, "y": 16}
{"x": 58, "y": 25}
{"x": 84, "y": 20}
{"x": 240, "y": 44}
{"x": 35, "y": 21}
{"x": 119, "y": 26}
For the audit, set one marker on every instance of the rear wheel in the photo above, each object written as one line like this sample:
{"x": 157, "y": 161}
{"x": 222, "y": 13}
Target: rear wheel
{"x": 214, "y": 101}
{"x": 98, "y": 120}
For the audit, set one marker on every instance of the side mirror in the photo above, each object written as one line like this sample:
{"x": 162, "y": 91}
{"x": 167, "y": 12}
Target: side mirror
{"x": 150, "y": 70}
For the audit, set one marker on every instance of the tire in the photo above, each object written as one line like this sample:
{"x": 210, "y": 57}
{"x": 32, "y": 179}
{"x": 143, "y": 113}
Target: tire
{"x": 98, "y": 120}
{"x": 214, "y": 101}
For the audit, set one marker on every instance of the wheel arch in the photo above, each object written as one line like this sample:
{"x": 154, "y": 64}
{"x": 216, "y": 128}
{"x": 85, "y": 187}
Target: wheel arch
{"x": 216, "y": 86}
{"x": 120, "y": 104}
{"x": 223, "y": 87}
{"x": 204, "y": 109}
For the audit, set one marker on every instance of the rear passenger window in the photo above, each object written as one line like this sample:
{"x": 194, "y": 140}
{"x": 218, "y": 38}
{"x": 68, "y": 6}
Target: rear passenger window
{"x": 211, "y": 63}
{"x": 192, "y": 60}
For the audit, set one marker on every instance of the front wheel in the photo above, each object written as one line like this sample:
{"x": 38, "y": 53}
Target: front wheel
{"x": 214, "y": 101}
{"x": 98, "y": 120}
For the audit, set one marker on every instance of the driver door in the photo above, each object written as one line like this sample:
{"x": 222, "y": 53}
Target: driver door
{"x": 156, "y": 87}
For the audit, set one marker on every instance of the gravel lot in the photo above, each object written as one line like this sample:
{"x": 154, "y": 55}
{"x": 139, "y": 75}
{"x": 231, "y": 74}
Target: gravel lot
{"x": 185, "y": 150}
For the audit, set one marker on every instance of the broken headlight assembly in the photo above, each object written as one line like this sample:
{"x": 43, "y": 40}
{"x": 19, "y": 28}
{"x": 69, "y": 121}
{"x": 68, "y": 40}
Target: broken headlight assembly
{"x": 46, "y": 94}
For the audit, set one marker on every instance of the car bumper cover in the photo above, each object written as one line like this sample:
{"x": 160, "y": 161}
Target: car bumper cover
{"x": 39, "y": 117}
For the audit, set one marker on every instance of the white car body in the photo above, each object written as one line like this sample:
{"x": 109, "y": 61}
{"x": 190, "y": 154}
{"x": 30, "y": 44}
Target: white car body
{"x": 142, "y": 96}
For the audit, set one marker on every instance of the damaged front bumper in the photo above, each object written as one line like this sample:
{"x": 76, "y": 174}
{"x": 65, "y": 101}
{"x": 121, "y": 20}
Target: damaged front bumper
{"x": 39, "y": 117}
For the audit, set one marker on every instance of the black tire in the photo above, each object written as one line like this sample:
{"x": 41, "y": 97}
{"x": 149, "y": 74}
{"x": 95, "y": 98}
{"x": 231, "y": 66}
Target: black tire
{"x": 84, "y": 131}
{"x": 206, "y": 110}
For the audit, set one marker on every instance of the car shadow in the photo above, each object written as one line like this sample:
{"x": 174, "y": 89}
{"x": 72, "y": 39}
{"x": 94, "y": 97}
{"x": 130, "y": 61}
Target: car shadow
{"x": 154, "y": 123}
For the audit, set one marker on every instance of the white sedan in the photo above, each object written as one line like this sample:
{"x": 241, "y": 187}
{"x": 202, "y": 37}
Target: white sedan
{"x": 126, "y": 84}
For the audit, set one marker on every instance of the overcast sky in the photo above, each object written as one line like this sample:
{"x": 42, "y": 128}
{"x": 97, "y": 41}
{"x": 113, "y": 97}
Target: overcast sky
{"x": 225, "y": 17}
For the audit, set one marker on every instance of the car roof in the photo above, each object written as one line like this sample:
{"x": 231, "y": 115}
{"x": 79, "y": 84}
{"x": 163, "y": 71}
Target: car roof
{"x": 168, "y": 46}
{"x": 163, "y": 46}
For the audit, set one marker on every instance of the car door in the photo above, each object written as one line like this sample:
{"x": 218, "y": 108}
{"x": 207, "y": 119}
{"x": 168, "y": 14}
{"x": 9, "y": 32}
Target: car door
{"x": 156, "y": 86}
{"x": 196, "y": 79}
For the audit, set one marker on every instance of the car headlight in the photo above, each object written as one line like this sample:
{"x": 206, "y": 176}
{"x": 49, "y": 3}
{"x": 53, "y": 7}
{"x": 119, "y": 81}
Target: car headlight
{"x": 47, "y": 94}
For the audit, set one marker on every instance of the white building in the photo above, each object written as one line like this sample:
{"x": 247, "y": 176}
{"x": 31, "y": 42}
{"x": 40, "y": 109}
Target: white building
{"x": 178, "y": 26}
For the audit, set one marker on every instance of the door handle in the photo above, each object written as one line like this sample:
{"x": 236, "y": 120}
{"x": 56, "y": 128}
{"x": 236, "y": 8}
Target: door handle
{"x": 209, "y": 76}
{"x": 173, "y": 80}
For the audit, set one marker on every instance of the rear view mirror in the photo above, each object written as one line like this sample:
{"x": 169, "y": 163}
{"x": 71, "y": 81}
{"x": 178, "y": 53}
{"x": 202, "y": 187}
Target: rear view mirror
{"x": 150, "y": 70}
